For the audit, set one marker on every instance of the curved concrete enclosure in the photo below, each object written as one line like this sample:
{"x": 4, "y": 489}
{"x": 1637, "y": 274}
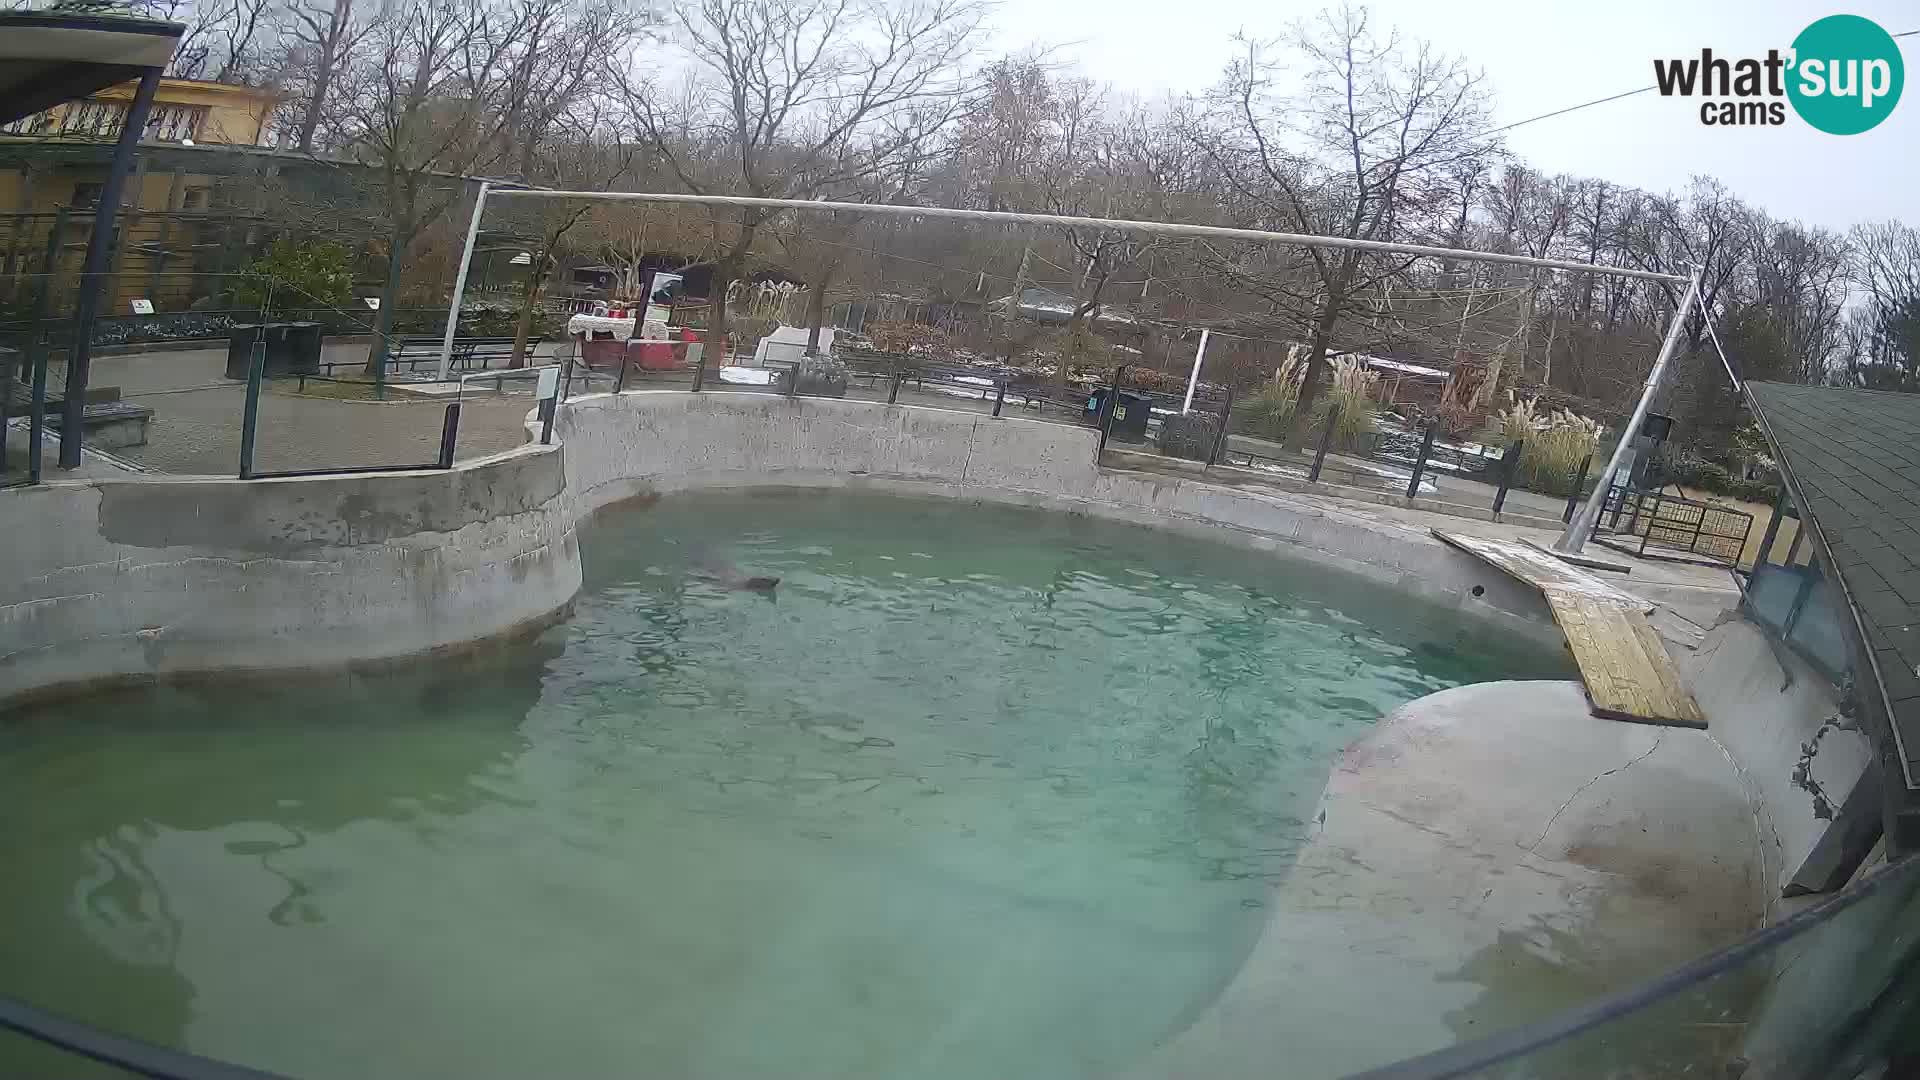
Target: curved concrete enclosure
{"x": 653, "y": 443}
{"x": 1541, "y": 855}
{"x": 131, "y": 580}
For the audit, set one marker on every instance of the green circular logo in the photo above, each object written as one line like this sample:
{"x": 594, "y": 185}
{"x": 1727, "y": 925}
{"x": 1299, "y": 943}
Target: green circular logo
{"x": 1846, "y": 75}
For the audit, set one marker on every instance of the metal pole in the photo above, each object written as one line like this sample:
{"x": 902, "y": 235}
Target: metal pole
{"x": 449, "y": 431}
{"x": 1149, "y": 228}
{"x": 35, "y": 354}
{"x": 1107, "y": 408}
{"x": 1509, "y": 464}
{"x": 256, "y": 370}
{"x": 1220, "y": 437}
{"x": 37, "y": 411}
{"x": 460, "y": 280}
{"x": 1420, "y": 463}
{"x": 1579, "y": 481}
{"x": 1326, "y": 440}
{"x": 1000, "y": 395}
{"x": 1583, "y": 523}
{"x": 1193, "y": 378}
{"x": 1773, "y": 529}
{"x": 92, "y": 272}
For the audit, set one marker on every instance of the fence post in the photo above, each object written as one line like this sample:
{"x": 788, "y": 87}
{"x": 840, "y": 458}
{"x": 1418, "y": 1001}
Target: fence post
{"x": 449, "y": 431}
{"x": 1773, "y": 530}
{"x": 1580, "y": 481}
{"x": 1107, "y": 408}
{"x": 1220, "y": 437}
{"x": 620, "y": 383}
{"x": 37, "y": 412}
{"x": 700, "y": 366}
{"x": 1633, "y": 523}
{"x": 36, "y": 357}
{"x": 1420, "y": 463}
{"x": 793, "y": 379}
{"x": 1326, "y": 441}
{"x": 256, "y": 370}
{"x": 1000, "y": 395}
{"x": 1509, "y": 464}
{"x": 566, "y": 367}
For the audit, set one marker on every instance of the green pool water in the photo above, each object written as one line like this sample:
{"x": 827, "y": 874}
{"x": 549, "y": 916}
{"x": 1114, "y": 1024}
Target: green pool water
{"x": 976, "y": 792}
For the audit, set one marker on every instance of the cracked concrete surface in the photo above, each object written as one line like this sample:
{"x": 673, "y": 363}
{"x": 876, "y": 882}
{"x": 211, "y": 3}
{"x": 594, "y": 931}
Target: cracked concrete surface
{"x": 1456, "y": 889}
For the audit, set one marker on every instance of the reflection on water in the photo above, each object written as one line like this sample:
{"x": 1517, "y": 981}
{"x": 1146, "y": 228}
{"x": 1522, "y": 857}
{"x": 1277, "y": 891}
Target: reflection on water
{"x": 974, "y": 792}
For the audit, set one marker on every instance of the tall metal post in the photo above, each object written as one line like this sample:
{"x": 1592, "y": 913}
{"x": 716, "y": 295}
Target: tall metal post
{"x": 1583, "y": 523}
{"x": 34, "y": 359}
{"x": 1193, "y": 378}
{"x": 1509, "y": 464}
{"x": 1579, "y": 481}
{"x": 250, "y": 412}
{"x": 93, "y": 271}
{"x": 460, "y": 281}
{"x": 1420, "y": 463}
{"x": 1326, "y": 441}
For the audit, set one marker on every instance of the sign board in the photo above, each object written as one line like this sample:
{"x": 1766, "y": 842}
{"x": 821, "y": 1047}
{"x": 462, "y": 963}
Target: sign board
{"x": 372, "y": 302}
{"x": 143, "y": 307}
{"x": 549, "y": 384}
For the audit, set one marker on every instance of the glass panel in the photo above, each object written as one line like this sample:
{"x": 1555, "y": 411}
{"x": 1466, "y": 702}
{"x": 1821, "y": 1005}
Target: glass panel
{"x": 1834, "y": 1000}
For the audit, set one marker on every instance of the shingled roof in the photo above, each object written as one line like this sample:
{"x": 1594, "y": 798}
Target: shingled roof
{"x": 1852, "y": 459}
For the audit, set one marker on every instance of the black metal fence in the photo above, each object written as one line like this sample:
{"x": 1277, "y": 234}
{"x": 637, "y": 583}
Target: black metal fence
{"x": 1657, "y": 525}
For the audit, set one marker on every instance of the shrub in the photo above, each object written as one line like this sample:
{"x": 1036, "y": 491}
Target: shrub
{"x": 290, "y": 275}
{"x": 1553, "y": 444}
{"x": 903, "y": 337}
{"x": 1692, "y": 471}
{"x": 1352, "y": 394}
{"x": 1270, "y": 411}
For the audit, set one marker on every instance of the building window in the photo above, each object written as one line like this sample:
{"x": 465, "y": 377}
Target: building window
{"x": 174, "y": 123}
{"x": 86, "y": 196}
{"x": 194, "y": 198}
{"x": 96, "y": 119}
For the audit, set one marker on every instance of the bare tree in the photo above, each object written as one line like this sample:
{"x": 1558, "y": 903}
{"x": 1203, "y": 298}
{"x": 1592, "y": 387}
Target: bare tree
{"x": 421, "y": 108}
{"x": 797, "y": 100}
{"x": 322, "y": 37}
{"x": 1883, "y": 347}
{"x": 1367, "y": 151}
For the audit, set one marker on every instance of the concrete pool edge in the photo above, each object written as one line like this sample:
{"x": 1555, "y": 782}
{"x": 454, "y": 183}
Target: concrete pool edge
{"x": 111, "y": 579}
{"x": 660, "y": 442}
{"x": 324, "y": 572}
{"x": 127, "y": 582}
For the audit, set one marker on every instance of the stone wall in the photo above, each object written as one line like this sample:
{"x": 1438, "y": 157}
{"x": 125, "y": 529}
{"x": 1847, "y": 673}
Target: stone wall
{"x": 123, "y": 580}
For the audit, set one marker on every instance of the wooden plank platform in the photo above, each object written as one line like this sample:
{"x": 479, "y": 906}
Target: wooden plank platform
{"x": 1624, "y": 665}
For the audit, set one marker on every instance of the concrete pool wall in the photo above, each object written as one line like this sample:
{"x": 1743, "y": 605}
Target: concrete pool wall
{"x": 109, "y": 581}
{"x": 135, "y": 579}
{"x": 1458, "y": 805}
{"x": 652, "y": 443}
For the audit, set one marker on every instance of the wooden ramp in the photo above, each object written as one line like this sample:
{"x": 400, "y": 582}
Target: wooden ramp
{"x": 1623, "y": 663}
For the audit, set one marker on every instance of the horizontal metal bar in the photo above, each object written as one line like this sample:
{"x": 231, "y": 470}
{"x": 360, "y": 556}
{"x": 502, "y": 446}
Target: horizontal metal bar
{"x": 1161, "y": 228}
{"x": 143, "y": 1059}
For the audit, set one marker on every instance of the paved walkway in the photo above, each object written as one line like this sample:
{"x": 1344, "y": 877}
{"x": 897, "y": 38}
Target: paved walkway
{"x": 197, "y": 415}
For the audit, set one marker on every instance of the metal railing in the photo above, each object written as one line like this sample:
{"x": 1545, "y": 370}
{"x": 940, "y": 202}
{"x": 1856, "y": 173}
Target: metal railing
{"x": 1673, "y": 527}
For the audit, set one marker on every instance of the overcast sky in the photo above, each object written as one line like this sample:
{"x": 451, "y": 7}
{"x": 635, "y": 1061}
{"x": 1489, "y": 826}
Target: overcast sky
{"x": 1540, "y": 55}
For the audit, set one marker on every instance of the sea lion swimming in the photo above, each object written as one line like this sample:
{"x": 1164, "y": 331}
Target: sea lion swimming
{"x": 728, "y": 576}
